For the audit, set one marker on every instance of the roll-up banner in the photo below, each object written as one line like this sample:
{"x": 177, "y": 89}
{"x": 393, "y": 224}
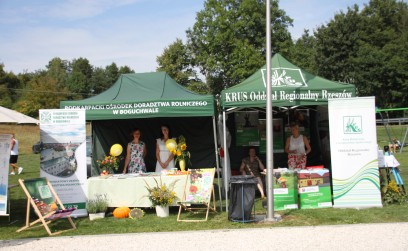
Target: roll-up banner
{"x": 5, "y": 140}
{"x": 354, "y": 153}
{"x": 63, "y": 155}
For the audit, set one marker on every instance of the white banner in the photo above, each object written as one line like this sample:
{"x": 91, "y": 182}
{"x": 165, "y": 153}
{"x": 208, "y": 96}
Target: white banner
{"x": 5, "y": 140}
{"x": 63, "y": 155}
{"x": 354, "y": 153}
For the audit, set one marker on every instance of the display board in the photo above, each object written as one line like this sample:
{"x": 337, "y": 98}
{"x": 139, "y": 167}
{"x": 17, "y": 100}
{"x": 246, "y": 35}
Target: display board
{"x": 314, "y": 188}
{"x": 285, "y": 189}
{"x": 278, "y": 140}
{"x": 5, "y": 140}
{"x": 63, "y": 155}
{"x": 247, "y": 132}
{"x": 354, "y": 153}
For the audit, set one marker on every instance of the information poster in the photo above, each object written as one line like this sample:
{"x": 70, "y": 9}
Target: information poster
{"x": 285, "y": 189}
{"x": 63, "y": 155}
{"x": 5, "y": 140}
{"x": 247, "y": 131}
{"x": 354, "y": 154}
{"x": 278, "y": 140}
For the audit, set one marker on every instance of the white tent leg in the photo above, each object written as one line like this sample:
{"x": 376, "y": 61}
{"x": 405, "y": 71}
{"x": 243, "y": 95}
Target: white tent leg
{"x": 217, "y": 163}
{"x": 225, "y": 176}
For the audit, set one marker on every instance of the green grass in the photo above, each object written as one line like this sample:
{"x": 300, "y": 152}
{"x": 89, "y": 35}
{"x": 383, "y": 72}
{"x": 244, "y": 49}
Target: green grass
{"x": 151, "y": 223}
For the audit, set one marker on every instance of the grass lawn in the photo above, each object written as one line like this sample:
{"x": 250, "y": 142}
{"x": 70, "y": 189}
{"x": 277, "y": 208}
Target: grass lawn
{"x": 28, "y": 135}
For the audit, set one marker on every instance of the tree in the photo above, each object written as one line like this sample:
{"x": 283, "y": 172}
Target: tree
{"x": 176, "y": 61}
{"x": 99, "y": 81}
{"x": 337, "y": 44}
{"x": 381, "y": 63}
{"x": 42, "y": 92}
{"x": 227, "y": 41}
{"x": 58, "y": 69}
{"x": 79, "y": 78}
{"x": 112, "y": 73}
{"x": 9, "y": 87}
{"x": 369, "y": 49}
{"x": 125, "y": 69}
{"x": 303, "y": 52}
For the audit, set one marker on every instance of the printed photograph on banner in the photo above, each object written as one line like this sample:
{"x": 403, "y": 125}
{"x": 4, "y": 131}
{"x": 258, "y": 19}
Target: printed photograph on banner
{"x": 59, "y": 148}
{"x": 63, "y": 155}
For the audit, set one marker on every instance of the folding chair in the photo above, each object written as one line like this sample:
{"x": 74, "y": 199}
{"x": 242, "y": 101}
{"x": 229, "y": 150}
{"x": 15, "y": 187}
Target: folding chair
{"x": 45, "y": 202}
{"x": 197, "y": 194}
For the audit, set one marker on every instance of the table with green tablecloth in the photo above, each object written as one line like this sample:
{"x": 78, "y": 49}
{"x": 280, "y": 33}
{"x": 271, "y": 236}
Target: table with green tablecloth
{"x": 130, "y": 190}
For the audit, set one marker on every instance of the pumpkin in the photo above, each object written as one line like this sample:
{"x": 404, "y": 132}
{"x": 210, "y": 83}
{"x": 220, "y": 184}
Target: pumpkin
{"x": 121, "y": 212}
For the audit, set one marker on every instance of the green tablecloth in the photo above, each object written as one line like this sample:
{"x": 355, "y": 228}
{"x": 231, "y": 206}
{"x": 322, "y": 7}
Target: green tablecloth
{"x": 130, "y": 191}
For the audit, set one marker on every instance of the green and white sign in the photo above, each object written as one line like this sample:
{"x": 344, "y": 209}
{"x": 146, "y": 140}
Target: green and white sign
{"x": 285, "y": 183}
{"x": 353, "y": 144}
{"x": 63, "y": 156}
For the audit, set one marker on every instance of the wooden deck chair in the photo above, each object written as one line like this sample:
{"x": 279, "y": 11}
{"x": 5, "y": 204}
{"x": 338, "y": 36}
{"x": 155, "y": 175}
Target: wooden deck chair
{"x": 197, "y": 194}
{"x": 45, "y": 202}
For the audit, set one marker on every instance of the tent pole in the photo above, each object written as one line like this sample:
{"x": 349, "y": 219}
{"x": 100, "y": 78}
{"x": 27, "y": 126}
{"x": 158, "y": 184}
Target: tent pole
{"x": 217, "y": 162}
{"x": 269, "y": 119}
{"x": 386, "y": 128}
{"x": 403, "y": 141}
{"x": 225, "y": 176}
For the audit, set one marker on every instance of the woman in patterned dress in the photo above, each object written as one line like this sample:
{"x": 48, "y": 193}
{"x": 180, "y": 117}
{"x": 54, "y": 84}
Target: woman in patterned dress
{"x": 136, "y": 151}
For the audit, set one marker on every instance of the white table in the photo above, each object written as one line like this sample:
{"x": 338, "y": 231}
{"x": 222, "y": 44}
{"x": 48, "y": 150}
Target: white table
{"x": 130, "y": 191}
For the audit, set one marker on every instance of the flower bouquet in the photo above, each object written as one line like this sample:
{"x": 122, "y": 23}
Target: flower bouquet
{"x": 161, "y": 194}
{"x": 109, "y": 164}
{"x": 179, "y": 150}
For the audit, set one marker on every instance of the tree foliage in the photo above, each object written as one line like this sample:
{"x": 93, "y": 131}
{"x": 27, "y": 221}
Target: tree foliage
{"x": 368, "y": 49}
{"x": 176, "y": 61}
{"x": 227, "y": 41}
{"x": 303, "y": 52}
{"x": 42, "y": 92}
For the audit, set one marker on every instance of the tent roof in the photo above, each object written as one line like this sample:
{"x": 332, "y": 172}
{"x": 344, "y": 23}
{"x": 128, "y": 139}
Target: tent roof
{"x": 144, "y": 95}
{"x": 290, "y": 86}
{"x": 11, "y": 116}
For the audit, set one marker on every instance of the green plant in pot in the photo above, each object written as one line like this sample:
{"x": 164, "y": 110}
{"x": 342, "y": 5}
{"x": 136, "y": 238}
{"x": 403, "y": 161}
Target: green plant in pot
{"x": 97, "y": 207}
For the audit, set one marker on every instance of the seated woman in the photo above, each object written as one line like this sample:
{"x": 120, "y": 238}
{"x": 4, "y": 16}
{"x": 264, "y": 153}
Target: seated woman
{"x": 394, "y": 145}
{"x": 250, "y": 166}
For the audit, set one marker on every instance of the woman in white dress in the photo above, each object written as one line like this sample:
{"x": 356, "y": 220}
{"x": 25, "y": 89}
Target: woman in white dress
{"x": 165, "y": 159}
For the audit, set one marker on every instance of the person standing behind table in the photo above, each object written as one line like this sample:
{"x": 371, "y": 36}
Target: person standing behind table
{"x": 136, "y": 152}
{"x": 295, "y": 148}
{"x": 14, "y": 156}
{"x": 250, "y": 166}
{"x": 165, "y": 159}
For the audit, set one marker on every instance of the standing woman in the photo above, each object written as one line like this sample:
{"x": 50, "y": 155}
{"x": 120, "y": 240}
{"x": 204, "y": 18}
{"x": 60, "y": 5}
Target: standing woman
{"x": 136, "y": 151}
{"x": 297, "y": 147}
{"x": 165, "y": 159}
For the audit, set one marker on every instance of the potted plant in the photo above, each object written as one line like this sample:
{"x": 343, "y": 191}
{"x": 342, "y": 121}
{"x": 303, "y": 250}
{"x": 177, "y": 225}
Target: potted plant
{"x": 97, "y": 207}
{"x": 161, "y": 196}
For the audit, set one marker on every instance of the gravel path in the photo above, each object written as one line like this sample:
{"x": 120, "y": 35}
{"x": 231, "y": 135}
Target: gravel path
{"x": 387, "y": 236}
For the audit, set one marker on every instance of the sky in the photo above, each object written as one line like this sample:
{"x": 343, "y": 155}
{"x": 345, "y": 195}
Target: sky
{"x": 125, "y": 32}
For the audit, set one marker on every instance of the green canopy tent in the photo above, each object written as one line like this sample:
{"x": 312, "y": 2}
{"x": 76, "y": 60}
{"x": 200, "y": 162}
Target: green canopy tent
{"x": 146, "y": 101}
{"x": 291, "y": 87}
